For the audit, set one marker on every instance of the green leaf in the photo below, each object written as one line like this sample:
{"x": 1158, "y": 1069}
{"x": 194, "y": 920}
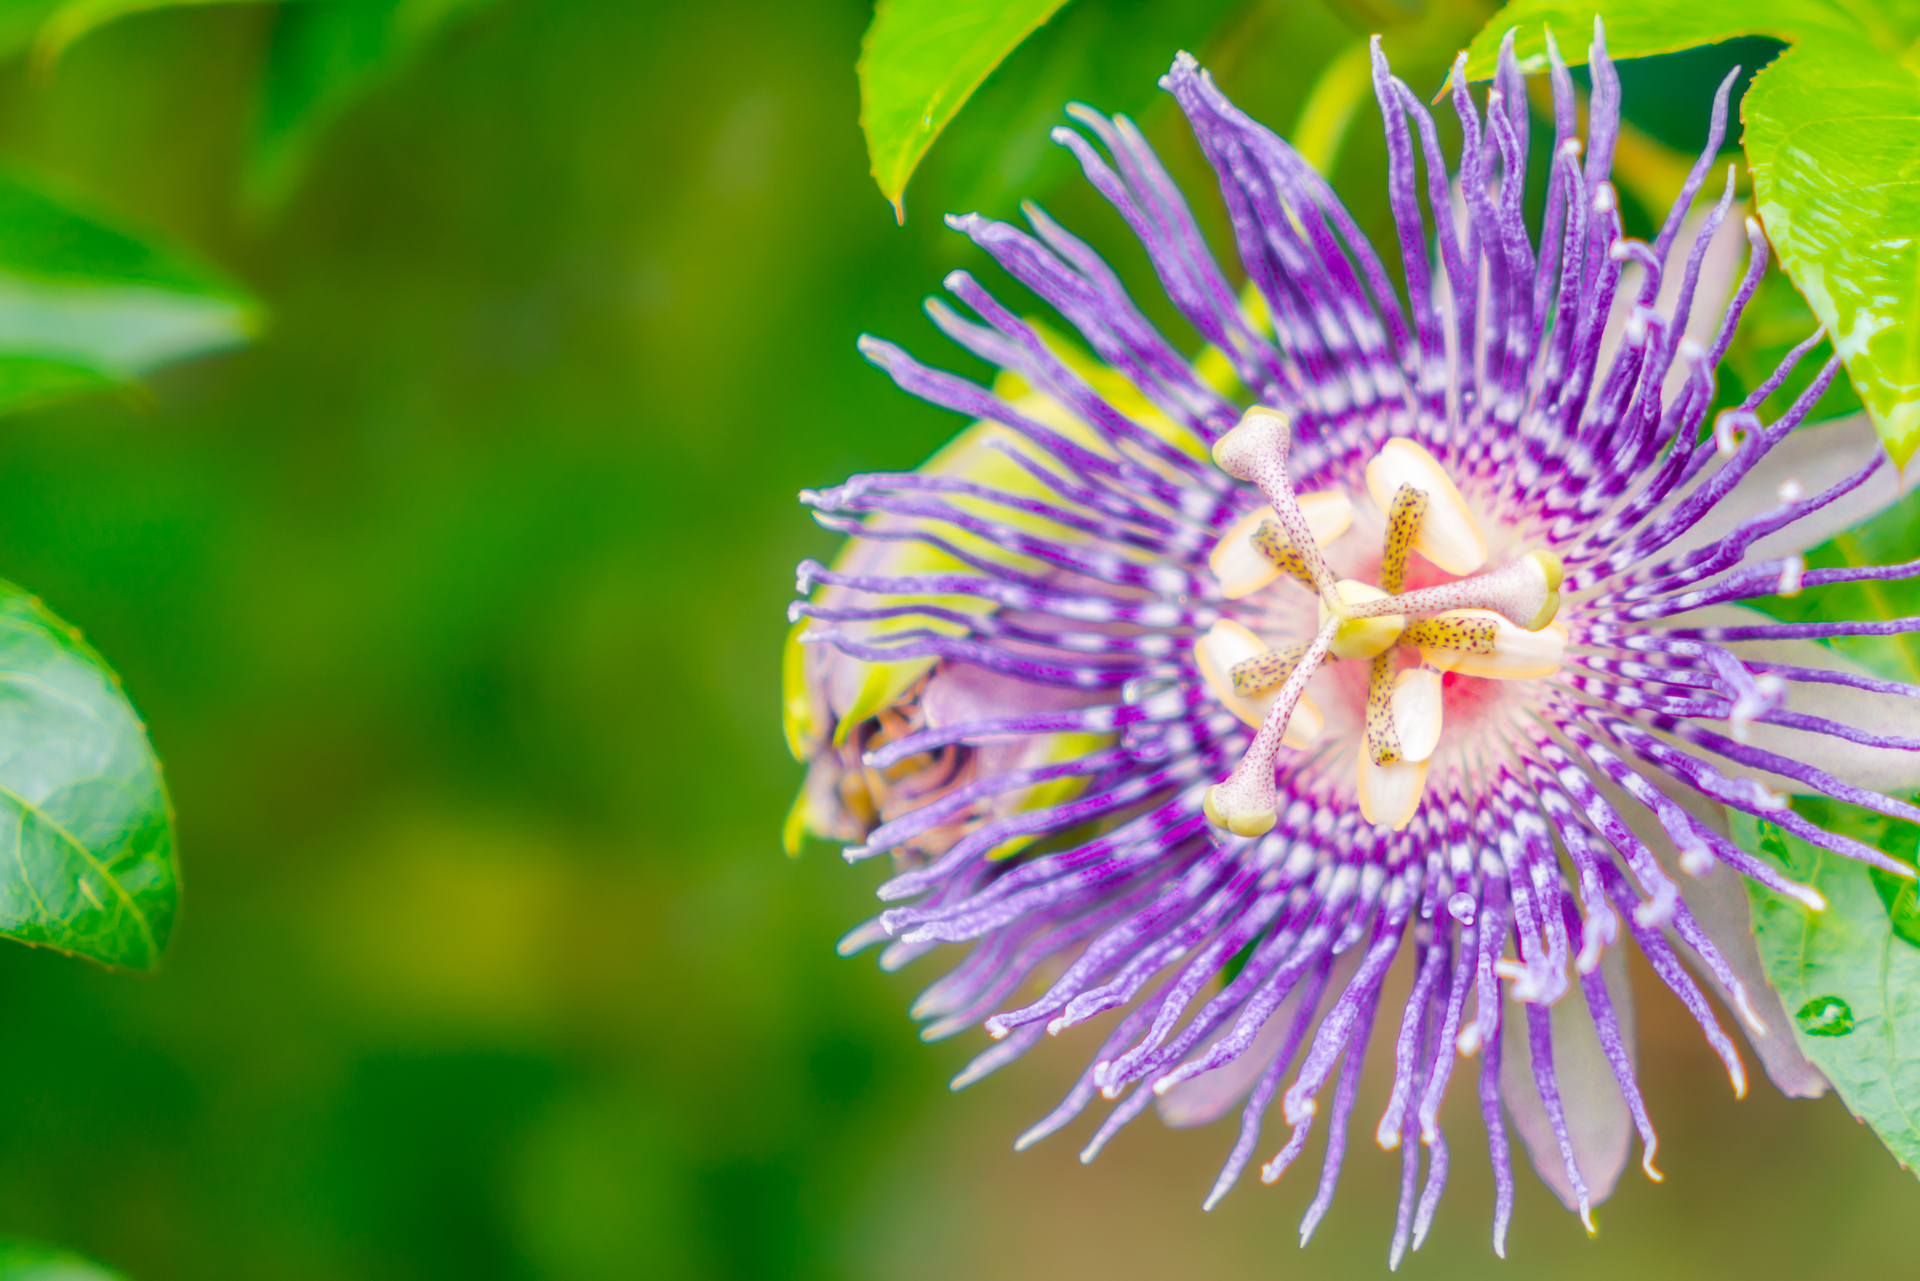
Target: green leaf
{"x": 22, "y": 1262}
{"x": 1851, "y": 974}
{"x": 86, "y": 831}
{"x": 85, "y": 307}
{"x": 1833, "y": 141}
{"x": 322, "y": 58}
{"x": 919, "y": 63}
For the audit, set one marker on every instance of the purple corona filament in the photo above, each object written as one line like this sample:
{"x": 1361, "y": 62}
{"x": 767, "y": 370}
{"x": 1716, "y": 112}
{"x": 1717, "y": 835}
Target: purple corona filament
{"x": 1194, "y": 693}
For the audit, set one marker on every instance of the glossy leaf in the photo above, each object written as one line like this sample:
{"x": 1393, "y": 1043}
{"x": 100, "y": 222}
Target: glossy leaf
{"x": 86, "y": 830}
{"x": 1849, "y": 975}
{"x": 23, "y": 1262}
{"x": 1832, "y": 136}
{"x": 323, "y": 55}
{"x": 85, "y": 307}
{"x": 919, "y": 63}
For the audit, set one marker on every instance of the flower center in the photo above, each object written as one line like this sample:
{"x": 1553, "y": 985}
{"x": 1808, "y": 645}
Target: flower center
{"x": 1495, "y": 625}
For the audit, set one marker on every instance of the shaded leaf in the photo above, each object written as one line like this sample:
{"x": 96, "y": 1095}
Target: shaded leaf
{"x": 1850, "y": 977}
{"x": 999, "y": 151}
{"x": 919, "y": 63}
{"x": 1832, "y": 135}
{"x": 22, "y": 1262}
{"x": 84, "y": 306}
{"x": 323, "y": 56}
{"x": 86, "y": 830}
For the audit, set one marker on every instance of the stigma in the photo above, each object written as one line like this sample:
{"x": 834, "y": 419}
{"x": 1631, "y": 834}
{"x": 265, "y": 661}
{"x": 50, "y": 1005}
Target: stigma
{"x": 1475, "y": 623}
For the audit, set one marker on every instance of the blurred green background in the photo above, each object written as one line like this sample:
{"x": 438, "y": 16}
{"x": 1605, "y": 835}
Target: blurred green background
{"x": 454, "y": 605}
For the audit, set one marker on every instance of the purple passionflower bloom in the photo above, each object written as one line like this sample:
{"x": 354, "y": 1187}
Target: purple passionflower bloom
{"x": 1385, "y": 625}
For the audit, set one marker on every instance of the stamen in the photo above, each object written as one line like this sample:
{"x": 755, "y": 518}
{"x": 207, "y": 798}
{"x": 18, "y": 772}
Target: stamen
{"x": 1383, "y": 743}
{"x": 1514, "y": 654}
{"x": 1245, "y": 803}
{"x": 1256, "y": 451}
{"x": 1403, "y": 527}
{"x": 1266, "y": 672}
{"x": 1471, "y": 631}
{"x": 1271, "y": 542}
{"x": 1525, "y": 593}
{"x": 1229, "y": 646}
{"x": 1403, "y": 712}
{"x": 1449, "y": 535}
{"x": 1240, "y": 565}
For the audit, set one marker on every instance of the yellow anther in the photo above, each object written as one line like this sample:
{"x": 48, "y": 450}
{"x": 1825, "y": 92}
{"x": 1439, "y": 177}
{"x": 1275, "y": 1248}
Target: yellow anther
{"x": 1243, "y": 568}
{"x": 1272, "y": 544}
{"x": 1230, "y": 645}
{"x": 1512, "y": 653}
{"x": 1471, "y": 631}
{"x": 1266, "y": 672}
{"x": 1361, "y": 637}
{"x": 1403, "y": 527}
{"x": 1449, "y": 535}
{"x": 1383, "y": 744}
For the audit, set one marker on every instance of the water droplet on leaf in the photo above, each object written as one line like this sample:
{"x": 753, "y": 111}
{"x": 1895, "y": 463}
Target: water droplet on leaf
{"x": 1825, "y": 1016}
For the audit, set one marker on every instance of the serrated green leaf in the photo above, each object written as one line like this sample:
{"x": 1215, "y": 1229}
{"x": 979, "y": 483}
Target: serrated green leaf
{"x": 919, "y": 63}
{"x": 323, "y": 57}
{"x": 1832, "y": 135}
{"x": 1849, "y": 974}
{"x": 86, "y": 831}
{"x": 84, "y": 306}
{"x": 23, "y": 1262}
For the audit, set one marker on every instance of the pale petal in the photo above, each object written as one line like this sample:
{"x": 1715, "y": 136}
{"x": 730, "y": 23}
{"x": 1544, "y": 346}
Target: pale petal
{"x": 1814, "y": 457}
{"x": 1389, "y": 794}
{"x": 1879, "y": 769}
{"x": 1598, "y": 1122}
{"x": 1416, "y": 704}
{"x": 1206, "y": 1098}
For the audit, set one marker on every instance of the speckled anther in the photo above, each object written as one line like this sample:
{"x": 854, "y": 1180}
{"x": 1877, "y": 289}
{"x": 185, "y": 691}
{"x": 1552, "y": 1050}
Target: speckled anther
{"x": 1469, "y": 631}
{"x": 1256, "y": 452}
{"x": 1243, "y": 568}
{"x": 1450, "y": 535}
{"x": 1403, "y": 528}
{"x": 1265, "y": 672}
{"x": 1383, "y": 742}
{"x": 1273, "y": 544}
{"x": 1228, "y": 645}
